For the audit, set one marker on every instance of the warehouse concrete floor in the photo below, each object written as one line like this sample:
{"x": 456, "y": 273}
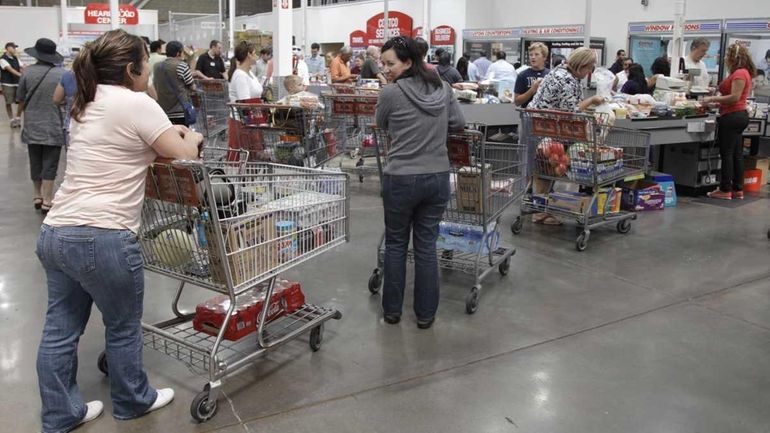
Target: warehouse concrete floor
{"x": 665, "y": 329}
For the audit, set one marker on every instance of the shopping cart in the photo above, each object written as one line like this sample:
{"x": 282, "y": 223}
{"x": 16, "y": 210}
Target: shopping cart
{"x": 486, "y": 178}
{"x": 353, "y": 114}
{"x": 210, "y": 100}
{"x": 586, "y": 151}
{"x": 232, "y": 227}
{"x": 284, "y": 134}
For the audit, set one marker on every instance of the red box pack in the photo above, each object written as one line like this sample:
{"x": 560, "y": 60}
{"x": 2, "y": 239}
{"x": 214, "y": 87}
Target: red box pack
{"x": 209, "y": 316}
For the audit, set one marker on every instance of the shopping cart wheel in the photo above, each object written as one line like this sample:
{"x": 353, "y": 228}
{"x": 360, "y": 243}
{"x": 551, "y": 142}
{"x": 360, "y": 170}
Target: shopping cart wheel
{"x": 582, "y": 242}
{"x": 375, "y": 281}
{"x": 472, "y": 300}
{"x": 505, "y": 266}
{"x": 516, "y": 226}
{"x": 361, "y": 178}
{"x": 198, "y": 409}
{"x": 316, "y": 337}
{"x": 624, "y": 226}
{"x": 768, "y": 234}
{"x": 101, "y": 364}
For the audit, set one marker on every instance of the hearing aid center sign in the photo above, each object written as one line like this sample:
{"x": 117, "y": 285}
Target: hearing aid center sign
{"x": 99, "y": 13}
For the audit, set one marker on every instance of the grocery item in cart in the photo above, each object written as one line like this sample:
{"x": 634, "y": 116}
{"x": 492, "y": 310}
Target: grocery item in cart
{"x": 552, "y": 157}
{"x": 472, "y": 187}
{"x": 287, "y": 298}
{"x": 250, "y": 247}
{"x": 173, "y": 247}
{"x": 466, "y": 238}
{"x": 606, "y": 162}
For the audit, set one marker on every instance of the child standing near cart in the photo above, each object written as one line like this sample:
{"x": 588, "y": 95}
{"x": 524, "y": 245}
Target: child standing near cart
{"x": 417, "y": 111}
{"x": 88, "y": 245}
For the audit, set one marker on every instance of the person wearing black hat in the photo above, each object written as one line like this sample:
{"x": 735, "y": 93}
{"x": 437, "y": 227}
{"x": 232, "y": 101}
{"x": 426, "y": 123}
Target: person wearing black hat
{"x": 10, "y": 72}
{"x": 42, "y": 130}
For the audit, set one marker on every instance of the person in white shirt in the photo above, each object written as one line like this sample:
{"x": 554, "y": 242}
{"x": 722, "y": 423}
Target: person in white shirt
{"x": 243, "y": 83}
{"x": 316, "y": 64}
{"x": 622, "y": 76}
{"x": 501, "y": 69}
{"x": 698, "y": 49}
{"x": 473, "y": 72}
{"x": 299, "y": 67}
{"x": 482, "y": 63}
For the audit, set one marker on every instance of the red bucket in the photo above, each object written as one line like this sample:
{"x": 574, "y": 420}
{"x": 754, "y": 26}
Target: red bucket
{"x": 752, "y": 180}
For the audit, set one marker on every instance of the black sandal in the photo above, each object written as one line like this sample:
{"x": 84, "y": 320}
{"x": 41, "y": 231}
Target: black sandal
{"x": 37, "y": 202}
{"x": 44, "y": 208}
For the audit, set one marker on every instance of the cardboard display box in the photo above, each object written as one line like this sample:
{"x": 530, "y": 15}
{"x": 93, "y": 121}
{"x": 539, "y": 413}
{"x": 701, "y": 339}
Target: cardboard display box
{"x": 642, "y": 195}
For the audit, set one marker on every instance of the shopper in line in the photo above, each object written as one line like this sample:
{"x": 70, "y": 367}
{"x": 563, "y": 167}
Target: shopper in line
{"x": 210, "y": 64}
{"x": 358, "y": 63}
{"x": 501, "y": 70}
{"x": 766, "y": 65}
{"x": 561, "y": 90}
{"x": 339, "y": 69}
{"x": 42, "y": 130}
{"x": 371, "y": 68}
{"x": 661, "y": 67}
{"x": 445, "y": 69}
{"x": 64, "y": 97}
{"x": 423, "y": 48}
{"x": 260, "y": 67}
{"x": 10, "y": 73}
{"x": 88, "y": 243}
{"x": 636, "y": 82}
{"x": 417, "y": 111}
{"x": 528, "y": 81}
{"x": 733, "y": 119}
{"x": 315, "y": 63}
{"x": 173, "y": 82}
{"x": 482, "y": 64}
{"x": 462, "y": 66}
{"x": 616, "y": 67}
{"x": 243, "y": 83}
{"x": 157, "y": 50}
{"x": 622, "y": 76}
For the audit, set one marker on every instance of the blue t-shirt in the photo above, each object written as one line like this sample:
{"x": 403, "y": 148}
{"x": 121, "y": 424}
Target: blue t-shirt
{"x": 525, "y": 80}
{"x": 70, "y": 86}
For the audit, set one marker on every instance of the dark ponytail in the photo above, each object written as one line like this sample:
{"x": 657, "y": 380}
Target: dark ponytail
{"x": 409, "y": 49}
{"x": 242, "y": 50}
{"x": 104, "y": 61}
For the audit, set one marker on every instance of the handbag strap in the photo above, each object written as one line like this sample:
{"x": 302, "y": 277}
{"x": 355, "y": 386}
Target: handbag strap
{"x": 173, "y": 87}
{"x": 29, "y": 96}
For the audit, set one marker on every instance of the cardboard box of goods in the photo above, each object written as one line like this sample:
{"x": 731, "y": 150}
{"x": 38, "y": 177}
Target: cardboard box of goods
{"x": 569, "y": 201}
{"x": 642, "y": 195}
{"x": 471, "y": 189}
{"x": 250, "y": 246}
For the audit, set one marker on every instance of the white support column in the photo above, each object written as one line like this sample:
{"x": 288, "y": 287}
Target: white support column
{"x": 64, "y": 46}
{"x": 426, "y": 20}
{"x": 231, "y": 30}
{"x": 114, "y": 14}
{"x": 587, "y": 25}
{"x": 385, "y": 20}
{"x": 305, "y": 43}
{"x": 220, "y": 23}
{"x": 282, "y": 30}
{"x": 677, "y": 47}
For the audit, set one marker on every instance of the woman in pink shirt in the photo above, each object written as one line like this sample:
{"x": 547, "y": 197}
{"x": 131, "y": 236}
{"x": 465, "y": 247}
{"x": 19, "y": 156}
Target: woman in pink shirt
{"x": 88, "y": 245}
{"x": 733, "y": 119}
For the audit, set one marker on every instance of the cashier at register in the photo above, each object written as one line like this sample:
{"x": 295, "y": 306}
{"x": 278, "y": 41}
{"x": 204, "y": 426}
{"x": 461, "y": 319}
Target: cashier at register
{"x": 698, "y": 49}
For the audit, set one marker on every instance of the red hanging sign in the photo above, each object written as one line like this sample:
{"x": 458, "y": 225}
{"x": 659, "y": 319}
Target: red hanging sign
{"x": 417, "y": 32}
{"x": 99, "y": 13}
{"x": 399, "y": 24}
{"x": 358, "y": 39}
{"x": 443, "y": 35}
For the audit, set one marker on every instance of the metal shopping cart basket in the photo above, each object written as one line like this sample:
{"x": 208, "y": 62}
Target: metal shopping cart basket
{"x": 210, "y": 99}
{"x": 232, "y": 227}
{"x": 583, "y": 150}
{"x": 486, "y": 178}
{"x": 353, "y": 114}
{"x": 299, "y": 136}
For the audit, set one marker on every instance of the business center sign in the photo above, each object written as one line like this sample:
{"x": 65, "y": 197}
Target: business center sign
{"x": 99, "y": 13}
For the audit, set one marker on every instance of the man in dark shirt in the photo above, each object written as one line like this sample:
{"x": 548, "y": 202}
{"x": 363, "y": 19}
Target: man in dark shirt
{"x": 371, "y": 68}
{"x": 210, "y": 64}
{"x": 618, "y": 65}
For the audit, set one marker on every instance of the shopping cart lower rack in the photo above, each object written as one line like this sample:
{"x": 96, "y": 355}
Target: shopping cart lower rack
{"x": 232, "y": 227}
{"x": 486, "y": 179}
{"x": 586, "y": 151}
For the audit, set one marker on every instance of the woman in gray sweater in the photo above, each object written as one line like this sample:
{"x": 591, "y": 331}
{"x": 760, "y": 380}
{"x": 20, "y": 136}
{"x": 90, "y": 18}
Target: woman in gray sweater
{"x": 417, "y": 111}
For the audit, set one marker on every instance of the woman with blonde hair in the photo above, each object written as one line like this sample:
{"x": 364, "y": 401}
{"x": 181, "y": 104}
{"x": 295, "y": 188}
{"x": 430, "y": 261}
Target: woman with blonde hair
{"x": 561, "y": 90}
{"x": 733, "y": 119}
{"x": 87, "y": 244}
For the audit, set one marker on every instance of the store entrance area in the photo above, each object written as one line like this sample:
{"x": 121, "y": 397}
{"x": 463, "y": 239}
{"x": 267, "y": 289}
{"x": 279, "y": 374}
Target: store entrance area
{"x": 668, "y": 327}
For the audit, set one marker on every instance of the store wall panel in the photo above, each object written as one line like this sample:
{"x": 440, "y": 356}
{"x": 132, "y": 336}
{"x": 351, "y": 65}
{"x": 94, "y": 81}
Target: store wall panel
{"x": 24, "y": 25}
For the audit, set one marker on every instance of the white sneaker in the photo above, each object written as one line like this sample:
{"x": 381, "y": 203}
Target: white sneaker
{"x": 93, "y": 410}
{"x": 165, "y": 396}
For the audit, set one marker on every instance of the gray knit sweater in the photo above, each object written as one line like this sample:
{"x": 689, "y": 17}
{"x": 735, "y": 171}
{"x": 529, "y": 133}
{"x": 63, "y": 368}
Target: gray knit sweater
{"x": 417, "y": 118}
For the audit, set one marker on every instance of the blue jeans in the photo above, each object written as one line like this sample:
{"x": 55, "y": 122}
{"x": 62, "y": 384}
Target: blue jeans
{"x": 415, "y": 204}
{"x": 86, "y": 265}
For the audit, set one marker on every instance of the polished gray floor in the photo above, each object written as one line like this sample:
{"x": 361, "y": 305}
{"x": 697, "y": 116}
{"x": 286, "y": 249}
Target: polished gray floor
{"x": 663, "y": 330}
